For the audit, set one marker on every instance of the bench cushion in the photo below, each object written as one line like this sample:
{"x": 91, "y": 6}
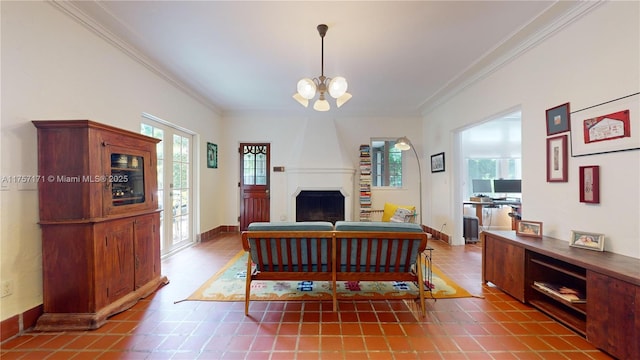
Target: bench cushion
{"x": 291, "y": 226}
{"x": 377, "y": 226}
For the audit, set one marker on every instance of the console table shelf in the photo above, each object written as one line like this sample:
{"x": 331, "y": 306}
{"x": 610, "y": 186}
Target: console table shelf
{"x": 606, "y": 306}
{"x": 568, "y": 318}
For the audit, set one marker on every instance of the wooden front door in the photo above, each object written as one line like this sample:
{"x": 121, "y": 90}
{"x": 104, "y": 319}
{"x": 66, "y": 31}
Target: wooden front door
{"x": 254, "y": 183}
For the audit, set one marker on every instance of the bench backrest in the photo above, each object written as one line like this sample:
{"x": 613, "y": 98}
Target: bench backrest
{"x": 359, "y": 247}
{"x": 378, "y": 246}
{"x": 290, "y": 247}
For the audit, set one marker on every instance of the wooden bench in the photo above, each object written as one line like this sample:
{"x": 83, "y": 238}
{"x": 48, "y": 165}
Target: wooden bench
{"x": 350, "y": 251}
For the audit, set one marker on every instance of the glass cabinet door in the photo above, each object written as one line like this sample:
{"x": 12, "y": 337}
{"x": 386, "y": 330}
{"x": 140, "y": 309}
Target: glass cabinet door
{"x": 127, "y": 179}
{"x": 130, "y": 179}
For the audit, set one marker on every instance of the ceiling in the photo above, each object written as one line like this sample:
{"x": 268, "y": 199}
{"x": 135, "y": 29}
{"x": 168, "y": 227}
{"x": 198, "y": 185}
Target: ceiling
{"x": 400, "y": 58}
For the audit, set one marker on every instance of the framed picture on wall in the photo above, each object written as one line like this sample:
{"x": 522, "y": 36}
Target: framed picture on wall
{"x": 437, "y": 162}
{"x": 608, "y": 127}
{"x": 558, "y": 119}
{"x": 590, "y": 184}
{"x": 557, "y": 155}
{"x": 212, "y": 155}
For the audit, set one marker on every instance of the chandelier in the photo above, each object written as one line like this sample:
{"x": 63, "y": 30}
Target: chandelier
{"x": 336, "y": 87}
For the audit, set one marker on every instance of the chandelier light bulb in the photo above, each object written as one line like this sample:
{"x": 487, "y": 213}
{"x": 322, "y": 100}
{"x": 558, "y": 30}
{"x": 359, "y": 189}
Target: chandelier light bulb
{"x": 337, "y": 87}
{"x": 307, "y": 88}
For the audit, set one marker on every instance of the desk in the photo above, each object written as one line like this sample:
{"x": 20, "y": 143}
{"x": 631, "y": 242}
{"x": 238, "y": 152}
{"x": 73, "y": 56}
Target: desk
{"x": 479, "y": 205}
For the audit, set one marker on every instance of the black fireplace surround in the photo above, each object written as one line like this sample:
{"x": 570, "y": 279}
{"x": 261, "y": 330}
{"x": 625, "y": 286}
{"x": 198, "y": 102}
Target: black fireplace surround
{"x": 320, "y": 205}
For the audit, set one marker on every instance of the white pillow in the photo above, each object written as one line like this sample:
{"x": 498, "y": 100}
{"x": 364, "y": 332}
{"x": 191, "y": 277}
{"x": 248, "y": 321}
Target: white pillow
{"x": 401, "y": 215}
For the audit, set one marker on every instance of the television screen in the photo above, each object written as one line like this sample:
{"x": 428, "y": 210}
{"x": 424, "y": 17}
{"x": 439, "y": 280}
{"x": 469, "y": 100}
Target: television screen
{"x": 481, "y": 186}
{"x": 506, "y": 186}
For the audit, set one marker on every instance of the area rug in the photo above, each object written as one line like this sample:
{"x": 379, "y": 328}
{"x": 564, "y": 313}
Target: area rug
{"x": 228, "y": 284}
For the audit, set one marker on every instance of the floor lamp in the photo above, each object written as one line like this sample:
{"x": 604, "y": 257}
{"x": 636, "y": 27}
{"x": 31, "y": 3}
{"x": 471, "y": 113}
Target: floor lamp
{"x": 405, "y": 144}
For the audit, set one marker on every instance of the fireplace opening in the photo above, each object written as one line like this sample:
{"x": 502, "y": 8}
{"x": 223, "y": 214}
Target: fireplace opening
{"x": 320, "y": 205}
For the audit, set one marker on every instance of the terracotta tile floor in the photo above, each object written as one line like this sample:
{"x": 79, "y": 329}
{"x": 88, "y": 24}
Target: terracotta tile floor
{"x": 496, "y": 327}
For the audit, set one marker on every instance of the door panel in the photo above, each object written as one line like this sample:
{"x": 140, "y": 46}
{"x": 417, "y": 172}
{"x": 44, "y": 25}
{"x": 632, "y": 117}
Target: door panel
{"x": 254, "y": 183}
{"x": 175, "y": 184}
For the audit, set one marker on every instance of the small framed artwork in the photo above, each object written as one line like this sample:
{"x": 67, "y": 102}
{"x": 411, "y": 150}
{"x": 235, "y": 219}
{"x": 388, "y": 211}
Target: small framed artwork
{"x": 529, "y": 228}
{"x": 558, "y": 119}
{"x": 437, "y": 162}
{"x": 587, "y": 240}
{"x": 608, "y": 127}
{"x": 557, "y": 155}
{"x": 590, "y": 184}
{"x": 212, "y": 155}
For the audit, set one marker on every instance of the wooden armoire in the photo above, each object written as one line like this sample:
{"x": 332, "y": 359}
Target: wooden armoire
{"x": 100, "y": 222}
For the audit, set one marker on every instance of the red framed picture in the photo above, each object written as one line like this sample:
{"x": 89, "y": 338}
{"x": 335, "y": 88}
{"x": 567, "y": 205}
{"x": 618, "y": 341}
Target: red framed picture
{"x": 557, "y": 155}
{"x": 608, "y": 127}
{"x": 590, "y": 184}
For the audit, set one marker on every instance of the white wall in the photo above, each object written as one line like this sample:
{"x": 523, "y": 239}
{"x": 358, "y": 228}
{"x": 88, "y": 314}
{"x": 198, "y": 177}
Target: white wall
{"x": 53, "y": 68}
{"x": 281, "y": 133}
{"x": 592, "y": 60}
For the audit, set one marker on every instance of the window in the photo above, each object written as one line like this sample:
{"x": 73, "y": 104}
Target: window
{"x": 386, "y": 163}
{"x": 255, "y": 164}
{"x": 492, "y": 168}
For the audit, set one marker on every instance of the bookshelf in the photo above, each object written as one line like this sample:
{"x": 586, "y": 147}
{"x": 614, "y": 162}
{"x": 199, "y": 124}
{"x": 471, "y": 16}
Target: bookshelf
{"x": 365, "y": 183}
{"x": 545, "y": 279}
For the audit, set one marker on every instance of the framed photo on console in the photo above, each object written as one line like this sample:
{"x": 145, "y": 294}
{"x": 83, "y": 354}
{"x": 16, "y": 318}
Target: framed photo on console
{"x": 587, "y": 240}
{"x": 529, "y": 228}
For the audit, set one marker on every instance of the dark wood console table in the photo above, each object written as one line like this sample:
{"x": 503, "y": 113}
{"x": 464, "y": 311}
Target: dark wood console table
{"x": 609, "y": 318}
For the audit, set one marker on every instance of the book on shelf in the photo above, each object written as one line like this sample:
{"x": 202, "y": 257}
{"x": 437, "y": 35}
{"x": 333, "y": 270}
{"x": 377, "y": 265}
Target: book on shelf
{"x": 365, "y": 183}
{"x": 571, "y": 295}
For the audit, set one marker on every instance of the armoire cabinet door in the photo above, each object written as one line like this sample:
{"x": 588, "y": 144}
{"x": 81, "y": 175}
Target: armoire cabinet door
{"x": 115, "y": 261}
{"x": 146, "y": 248}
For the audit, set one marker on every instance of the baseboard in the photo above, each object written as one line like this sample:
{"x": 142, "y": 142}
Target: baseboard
{"x": 436, "y": 235}
{"x": 210, "y": 234}
{"x": 17, "y": 324}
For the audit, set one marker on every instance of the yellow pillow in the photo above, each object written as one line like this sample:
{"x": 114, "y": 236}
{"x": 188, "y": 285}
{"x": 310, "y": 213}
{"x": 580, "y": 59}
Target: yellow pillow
{"x": 390, "y": 209}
